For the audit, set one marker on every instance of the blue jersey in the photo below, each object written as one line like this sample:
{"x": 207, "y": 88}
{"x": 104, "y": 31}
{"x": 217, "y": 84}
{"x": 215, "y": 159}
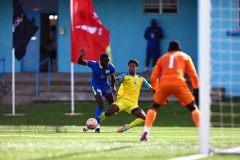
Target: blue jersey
{"x": 153, "y": 35}
{"x": 100, "y": 74}
{"x": 130, "y": 86}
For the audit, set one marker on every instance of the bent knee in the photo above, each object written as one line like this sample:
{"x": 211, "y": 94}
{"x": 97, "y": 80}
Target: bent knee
{"x": 113, "y": 109}
{"x": 192, "y": 106}
{"x": 155, "y": 106}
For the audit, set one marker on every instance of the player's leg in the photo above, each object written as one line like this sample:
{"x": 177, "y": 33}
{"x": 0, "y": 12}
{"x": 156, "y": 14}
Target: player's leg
{"x": 97, "y": 92}
{"x": 195, "y": 113}
{"x": 98, "y": 112}
{"x": 112, "y": 110}
{"x": 137, "y": 112}
{"x": 150, "y": 118}
{"x": 147, "y": 60}
{"x": 141, "y": 116}
{"x": 159, "y": 98}
{"x": 99, "y": 109}
{"x": 107, "y": 93}
{"x": 186, "y": 98}
{"x": 110, "y": 99}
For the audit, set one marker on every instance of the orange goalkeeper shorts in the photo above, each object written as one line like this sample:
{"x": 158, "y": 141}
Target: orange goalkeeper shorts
{"x": 180, "y": 90}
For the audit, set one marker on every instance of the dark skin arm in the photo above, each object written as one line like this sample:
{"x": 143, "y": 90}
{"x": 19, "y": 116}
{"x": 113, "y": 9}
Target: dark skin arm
{"x": 151, "y": 90}
{"x": 113, "y": 81}
{"x": 82, "y": 52}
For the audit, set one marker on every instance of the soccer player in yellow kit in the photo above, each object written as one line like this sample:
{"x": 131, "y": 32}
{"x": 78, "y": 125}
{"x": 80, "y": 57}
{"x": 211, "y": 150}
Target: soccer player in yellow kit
{"x": 128, "y": 94}
{"x": 171, "y": 67}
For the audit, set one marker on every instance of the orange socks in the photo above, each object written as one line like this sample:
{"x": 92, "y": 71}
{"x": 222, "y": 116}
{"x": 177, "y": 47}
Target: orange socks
{"x": 195, "y": 117}
{"x": 150, "y": 118}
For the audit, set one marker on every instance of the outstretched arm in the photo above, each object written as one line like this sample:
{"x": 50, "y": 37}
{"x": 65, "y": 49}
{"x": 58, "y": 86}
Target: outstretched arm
{"x": 82, "y": 52}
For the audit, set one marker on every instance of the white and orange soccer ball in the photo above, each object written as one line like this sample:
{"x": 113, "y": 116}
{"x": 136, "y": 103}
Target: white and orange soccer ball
{"x": 91, "y": 123}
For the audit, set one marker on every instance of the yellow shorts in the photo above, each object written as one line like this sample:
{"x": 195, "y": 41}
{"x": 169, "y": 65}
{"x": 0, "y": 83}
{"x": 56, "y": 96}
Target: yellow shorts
{"x": 125, "y": 105}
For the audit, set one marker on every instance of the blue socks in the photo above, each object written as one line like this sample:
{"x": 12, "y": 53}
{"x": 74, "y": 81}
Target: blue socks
{"x": 98, "y": 114}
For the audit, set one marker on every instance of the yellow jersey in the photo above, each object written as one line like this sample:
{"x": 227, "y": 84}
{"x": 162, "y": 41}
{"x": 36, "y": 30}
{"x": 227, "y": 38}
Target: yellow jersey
{"x": 130, "y": 86}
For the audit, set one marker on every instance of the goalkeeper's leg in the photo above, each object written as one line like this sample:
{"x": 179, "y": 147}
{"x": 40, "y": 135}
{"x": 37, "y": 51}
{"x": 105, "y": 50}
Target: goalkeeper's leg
{"x": 195, "y": 113}
{"x": 150, "y": 118}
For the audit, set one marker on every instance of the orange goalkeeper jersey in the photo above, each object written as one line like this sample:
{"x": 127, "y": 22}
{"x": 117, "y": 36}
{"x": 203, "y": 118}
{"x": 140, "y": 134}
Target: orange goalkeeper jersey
{"x": 171, "y": 67}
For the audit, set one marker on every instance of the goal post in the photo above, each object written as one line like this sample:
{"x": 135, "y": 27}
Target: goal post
{"x": 204, "y": 27}
{"x": 219, "y": 76}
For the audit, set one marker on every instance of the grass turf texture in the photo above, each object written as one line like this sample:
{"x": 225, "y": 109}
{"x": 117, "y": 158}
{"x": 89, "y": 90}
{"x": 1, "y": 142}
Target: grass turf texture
{"x": 45, "y": 132}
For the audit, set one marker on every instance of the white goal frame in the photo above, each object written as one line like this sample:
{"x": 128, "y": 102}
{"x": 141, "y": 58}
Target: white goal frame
{"x": 204, "y": 51}
{"x": 204, "y": 67}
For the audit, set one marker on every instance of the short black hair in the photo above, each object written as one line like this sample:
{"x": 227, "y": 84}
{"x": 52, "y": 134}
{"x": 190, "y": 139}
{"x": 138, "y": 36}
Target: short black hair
{"x": 174, "y": 46}
{"x": 103, "y": 55}
{"x": 133, "y": 61}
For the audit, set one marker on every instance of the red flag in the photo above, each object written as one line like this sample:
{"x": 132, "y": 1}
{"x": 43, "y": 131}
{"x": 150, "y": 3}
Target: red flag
{"x": 87, "y": 31}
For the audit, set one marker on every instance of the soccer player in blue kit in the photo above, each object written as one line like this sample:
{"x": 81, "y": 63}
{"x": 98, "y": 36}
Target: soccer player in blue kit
{"x": 99, "y": 82}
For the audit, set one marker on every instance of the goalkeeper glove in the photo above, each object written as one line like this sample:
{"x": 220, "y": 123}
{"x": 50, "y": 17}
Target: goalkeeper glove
{"x": 196, "y": 95}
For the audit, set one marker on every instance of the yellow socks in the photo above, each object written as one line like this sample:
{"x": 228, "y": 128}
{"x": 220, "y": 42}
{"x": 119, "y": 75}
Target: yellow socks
{"x": 136, "y": 122}
{"x": 195, "y": 117}
{"x": 103, "y": 117}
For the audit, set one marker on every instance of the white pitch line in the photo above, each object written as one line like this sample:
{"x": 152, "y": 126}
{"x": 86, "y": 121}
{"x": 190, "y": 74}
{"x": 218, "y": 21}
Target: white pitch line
{"x": 69, "y": 131}
{"x": 191, "y": 157}
{"x": 79, "y": 136}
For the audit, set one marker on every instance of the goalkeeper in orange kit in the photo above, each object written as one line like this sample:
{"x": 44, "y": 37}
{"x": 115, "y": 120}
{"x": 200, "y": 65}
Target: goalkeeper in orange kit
{"x": 171, "y": 67}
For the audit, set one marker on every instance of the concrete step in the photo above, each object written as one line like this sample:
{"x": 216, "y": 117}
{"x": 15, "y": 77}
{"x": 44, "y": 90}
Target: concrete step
{"x": 58, "y": 91}
{"x": 145, "y": 96}
{"x": 78, "y": 97}
{"x": 19, "y": 99}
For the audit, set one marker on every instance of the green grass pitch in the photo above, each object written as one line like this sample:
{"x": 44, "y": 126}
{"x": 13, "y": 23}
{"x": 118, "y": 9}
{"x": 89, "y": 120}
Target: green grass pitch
{"x": 45, "y": 132}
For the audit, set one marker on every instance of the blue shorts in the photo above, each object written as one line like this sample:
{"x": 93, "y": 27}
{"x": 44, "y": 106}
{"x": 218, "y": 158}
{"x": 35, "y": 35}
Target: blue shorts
{"x": 104, "y": 91}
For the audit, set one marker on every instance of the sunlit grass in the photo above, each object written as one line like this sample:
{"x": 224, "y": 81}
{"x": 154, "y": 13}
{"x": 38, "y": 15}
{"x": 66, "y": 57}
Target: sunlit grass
{"x": 69, "y": 142}
{"x": 46, "y": 132}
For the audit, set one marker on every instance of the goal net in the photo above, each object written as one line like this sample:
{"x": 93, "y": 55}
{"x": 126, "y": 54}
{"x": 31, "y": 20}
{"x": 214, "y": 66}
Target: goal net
{"x": 219, "y": 76}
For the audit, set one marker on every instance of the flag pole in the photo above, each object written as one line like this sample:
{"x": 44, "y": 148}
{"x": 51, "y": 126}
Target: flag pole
{"x": 72, "y": 76}
{"x": 72, "y": 94}
{"x": 21, "y": 24}
{"x": 72, "y": 89}
{"x": 13, "y": 87}
{"x": 13, "y": 81}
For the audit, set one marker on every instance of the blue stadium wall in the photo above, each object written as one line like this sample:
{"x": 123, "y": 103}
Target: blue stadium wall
{"x": 125, "y": 20}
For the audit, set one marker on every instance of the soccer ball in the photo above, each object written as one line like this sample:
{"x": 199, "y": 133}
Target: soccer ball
{"x": 91, "y": 123}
